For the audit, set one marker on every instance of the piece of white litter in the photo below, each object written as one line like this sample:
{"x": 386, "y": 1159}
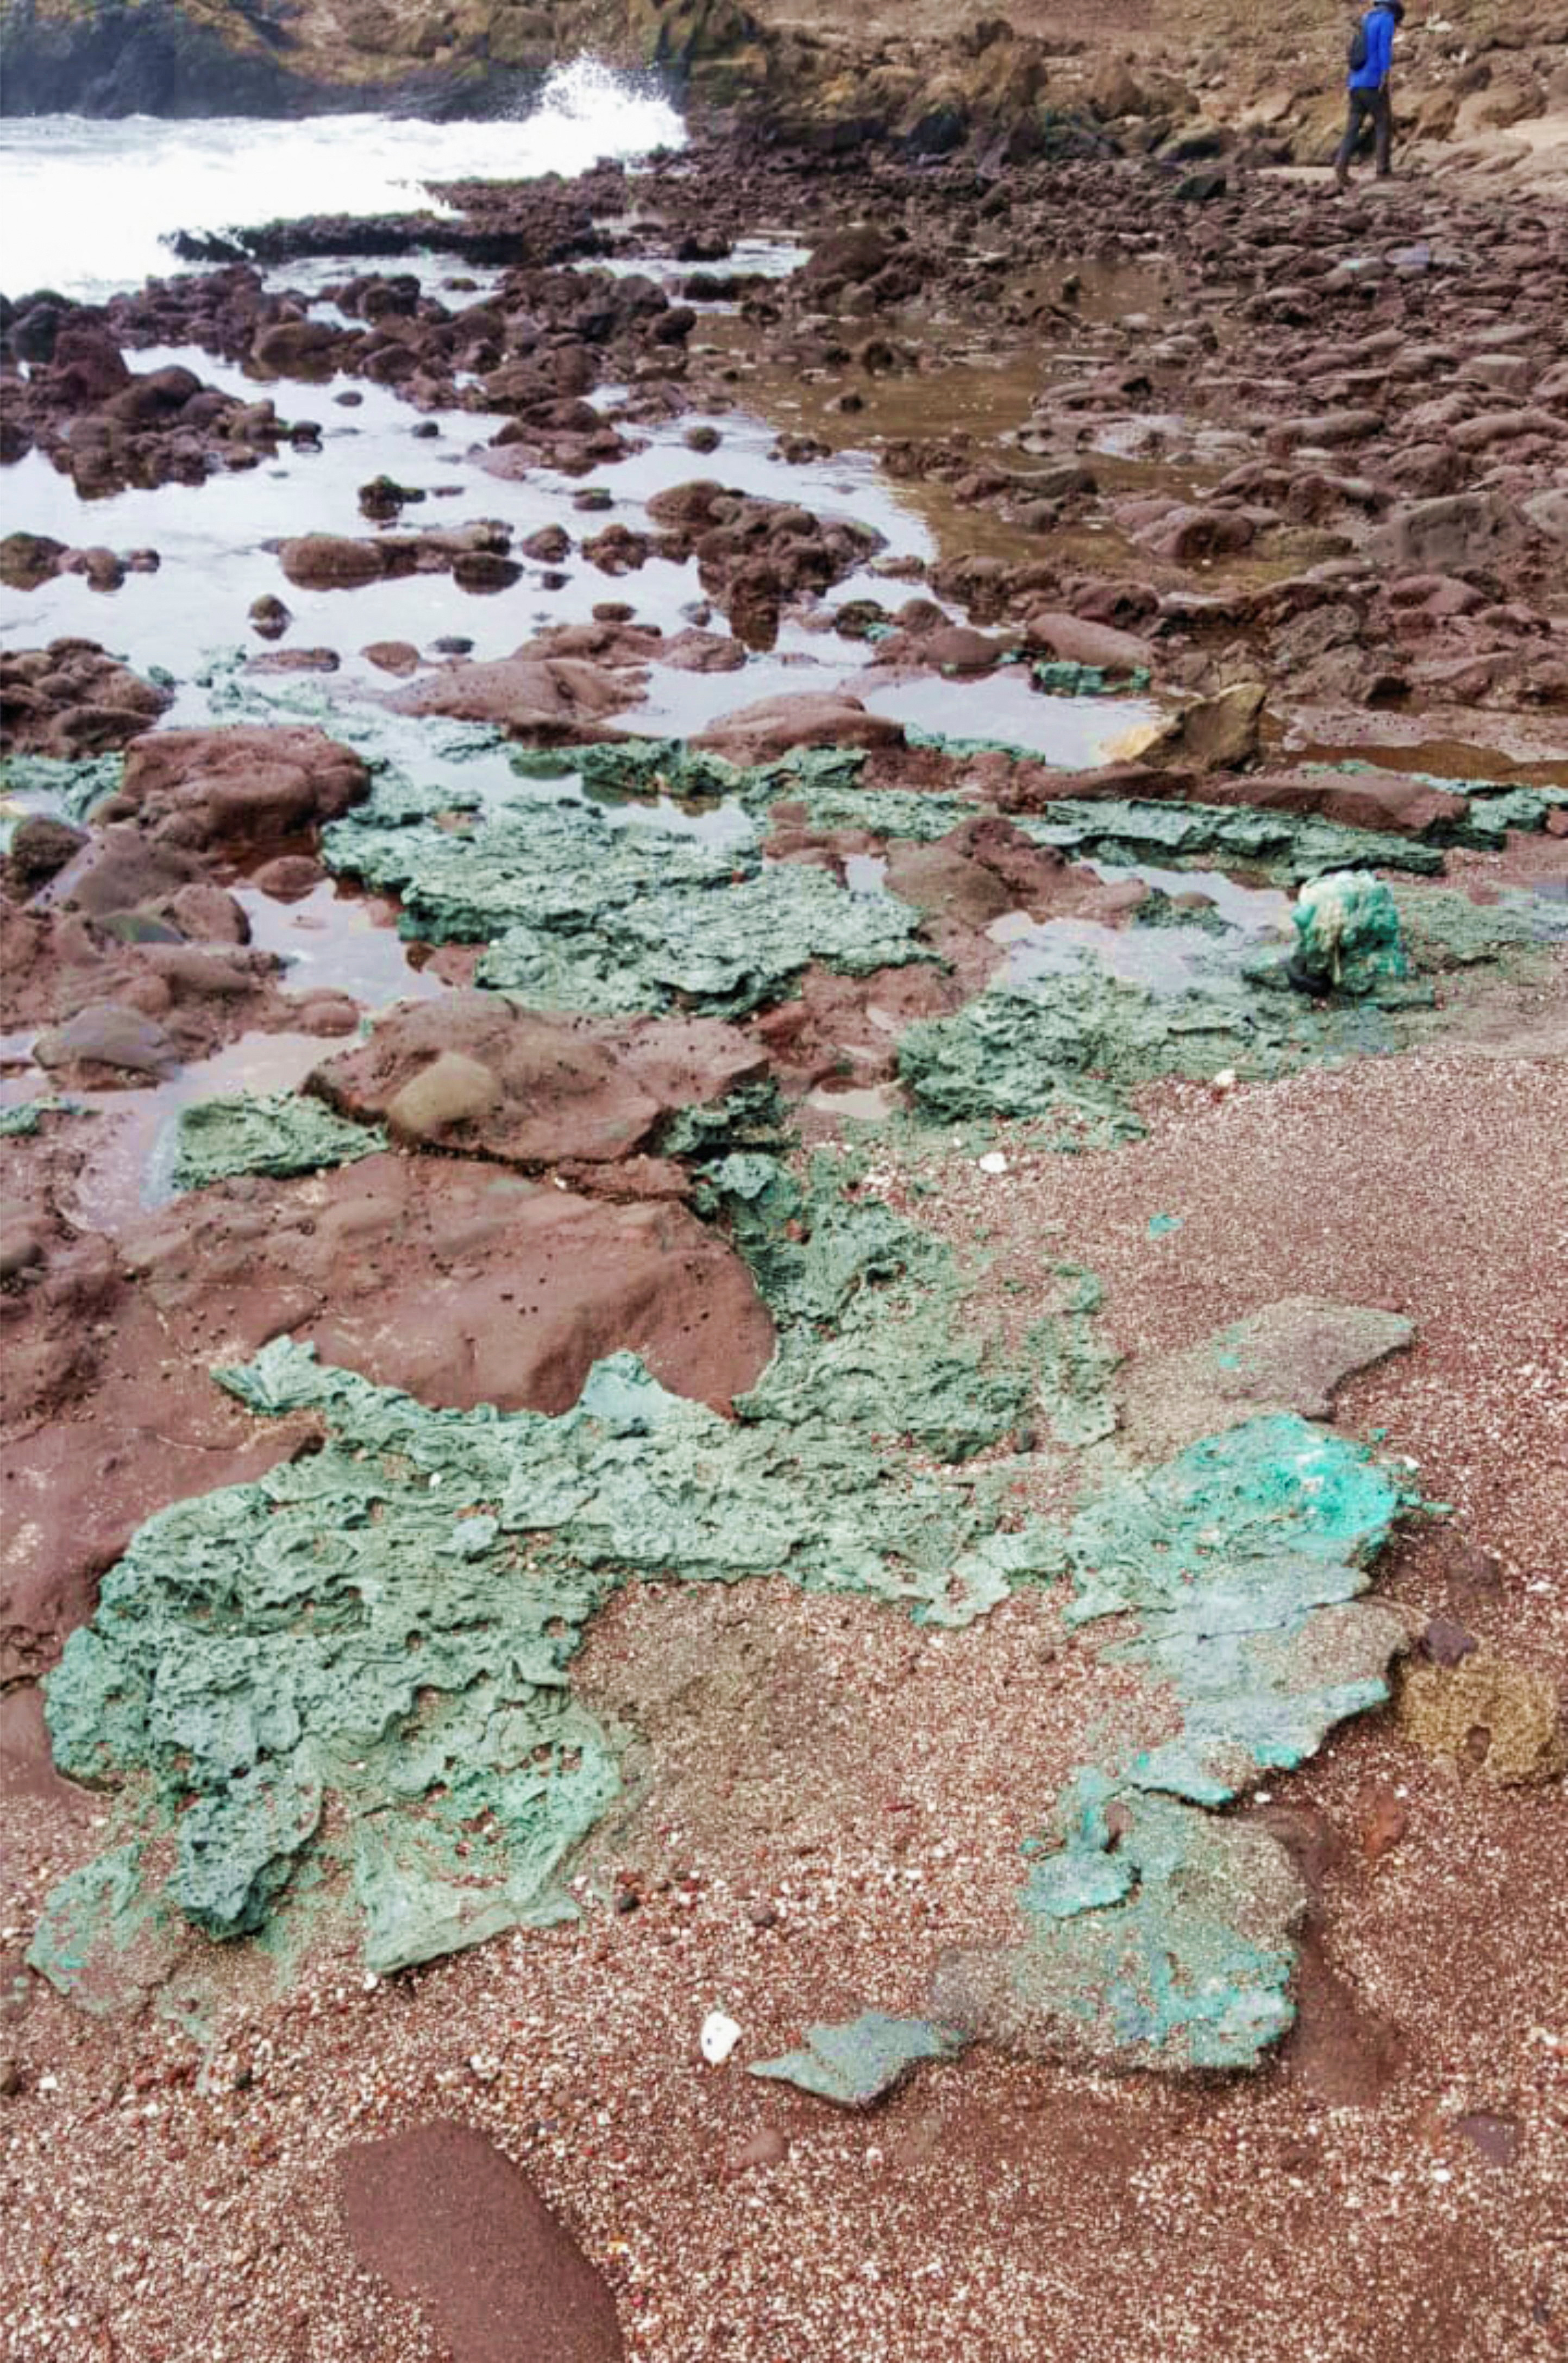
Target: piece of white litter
{"x": 1226, "y": 1080}
{"x": 719, "y": 2036}
{"x": 993, "y": 1161}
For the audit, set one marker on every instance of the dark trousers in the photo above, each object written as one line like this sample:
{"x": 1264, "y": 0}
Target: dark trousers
{"x": 1373, "y": 108}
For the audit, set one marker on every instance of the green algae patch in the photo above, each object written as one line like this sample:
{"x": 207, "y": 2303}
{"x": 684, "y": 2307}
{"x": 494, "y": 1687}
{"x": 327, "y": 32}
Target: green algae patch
{"x": 1125, "y": 832}
{"x": 871, "y": 1328}
{"x": 1012, "y": 1052}
{"x": 19, "y": 1123}
{"x": 752, "y": 1118}
{"x": 385, "y": 1628}
{"x": 856, "y": 2063}
{"x": 1075, "y": 1044}
{"x": 346, "y": 1626}
{"x": 73, "y": 785}
{"x": 827, "y": 782}
{"x": 108, "y": 1933}
{"x": 1445, "y": 930}
{"x": 277, "y": 1133}
{"x": 1493, "y": 807}
{"x": 580, "y": 914}
{"x": 1065, "y": 677}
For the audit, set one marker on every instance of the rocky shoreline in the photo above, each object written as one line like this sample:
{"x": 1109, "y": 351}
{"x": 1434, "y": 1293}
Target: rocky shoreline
{"x": 809, "y": 909}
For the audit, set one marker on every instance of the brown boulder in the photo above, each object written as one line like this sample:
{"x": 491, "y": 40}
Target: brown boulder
{"x": 107, "y": 1034}
{"x": 332, "y": 561}
{"x": 475, "y": 1073}
{"x": 73, "y": 699}
{"x": 1213, "y": 734}
{"x": 119, "y": 870}
{"x": 249, "y": 783}
{"x": 458, "y": 1282}
{"x": 1449, "y": 534}
{"x": 1189, "y": 537}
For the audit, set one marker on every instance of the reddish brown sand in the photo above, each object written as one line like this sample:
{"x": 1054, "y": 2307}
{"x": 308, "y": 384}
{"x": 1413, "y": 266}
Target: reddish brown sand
{"x": 832, "y": 1801}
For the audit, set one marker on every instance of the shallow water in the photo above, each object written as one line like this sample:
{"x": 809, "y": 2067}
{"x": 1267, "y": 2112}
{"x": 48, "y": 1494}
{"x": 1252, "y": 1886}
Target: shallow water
{"x": 129, "y": 1163}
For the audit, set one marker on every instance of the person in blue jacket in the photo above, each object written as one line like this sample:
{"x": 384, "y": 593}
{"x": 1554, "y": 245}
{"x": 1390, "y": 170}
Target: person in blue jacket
{"x": 1371, "y": 61}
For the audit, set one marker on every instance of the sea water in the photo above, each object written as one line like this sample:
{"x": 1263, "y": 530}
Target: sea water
{"x": 86, "y": 208}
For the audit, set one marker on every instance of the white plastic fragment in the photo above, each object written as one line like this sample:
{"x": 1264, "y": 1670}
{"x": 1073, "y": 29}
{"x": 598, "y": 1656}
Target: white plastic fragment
{"x": 993, "y": 1161}
{"x": 1226, "y": 1080}
{"x": 719, "y": 2036}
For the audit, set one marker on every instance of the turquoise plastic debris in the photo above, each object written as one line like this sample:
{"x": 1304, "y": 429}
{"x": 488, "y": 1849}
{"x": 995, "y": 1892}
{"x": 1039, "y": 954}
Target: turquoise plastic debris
{"x": 857, "y": 2062}
{"x": 1158, "y": 1936}
{"x": 1348, "y": 939}
{"x": 1271, "y": 1489}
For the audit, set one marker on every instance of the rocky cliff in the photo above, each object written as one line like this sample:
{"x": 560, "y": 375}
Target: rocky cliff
{"x": 1139, "y": 76}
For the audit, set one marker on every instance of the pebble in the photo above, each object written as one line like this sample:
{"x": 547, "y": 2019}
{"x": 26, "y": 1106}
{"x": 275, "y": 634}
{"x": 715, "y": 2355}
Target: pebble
{"x": 719, "y": 2036}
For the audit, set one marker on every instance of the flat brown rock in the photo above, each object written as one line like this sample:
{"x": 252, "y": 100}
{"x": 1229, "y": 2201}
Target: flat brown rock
{"x": 448, "y": 2221}
{"x": 762, "y": 732}
{"x": 455, "y": 1281}
{"x": 472, "y": 1071}
{"x": 556, "y": 698}
{"x": 1077, "y": 641}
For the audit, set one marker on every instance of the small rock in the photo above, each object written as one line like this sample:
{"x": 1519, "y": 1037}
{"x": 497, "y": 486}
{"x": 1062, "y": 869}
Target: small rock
{"x": 289, "y": 878}
{"x": 1384, "y": 1825}
{"x": 392, "y": 656}
{"x": 270, "y": 617}
{"x": 1496, "y": 2137}
{"x": 40, "y": 848}
{"x": 107, "y": 1034}
{"x": 767, "y": 2148}
{"x": 1446, "y": 1643}
{"x": 451, "y": 1090}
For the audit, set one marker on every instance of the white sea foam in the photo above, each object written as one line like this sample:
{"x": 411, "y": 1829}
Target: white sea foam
{"x": 85, "y": 206}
